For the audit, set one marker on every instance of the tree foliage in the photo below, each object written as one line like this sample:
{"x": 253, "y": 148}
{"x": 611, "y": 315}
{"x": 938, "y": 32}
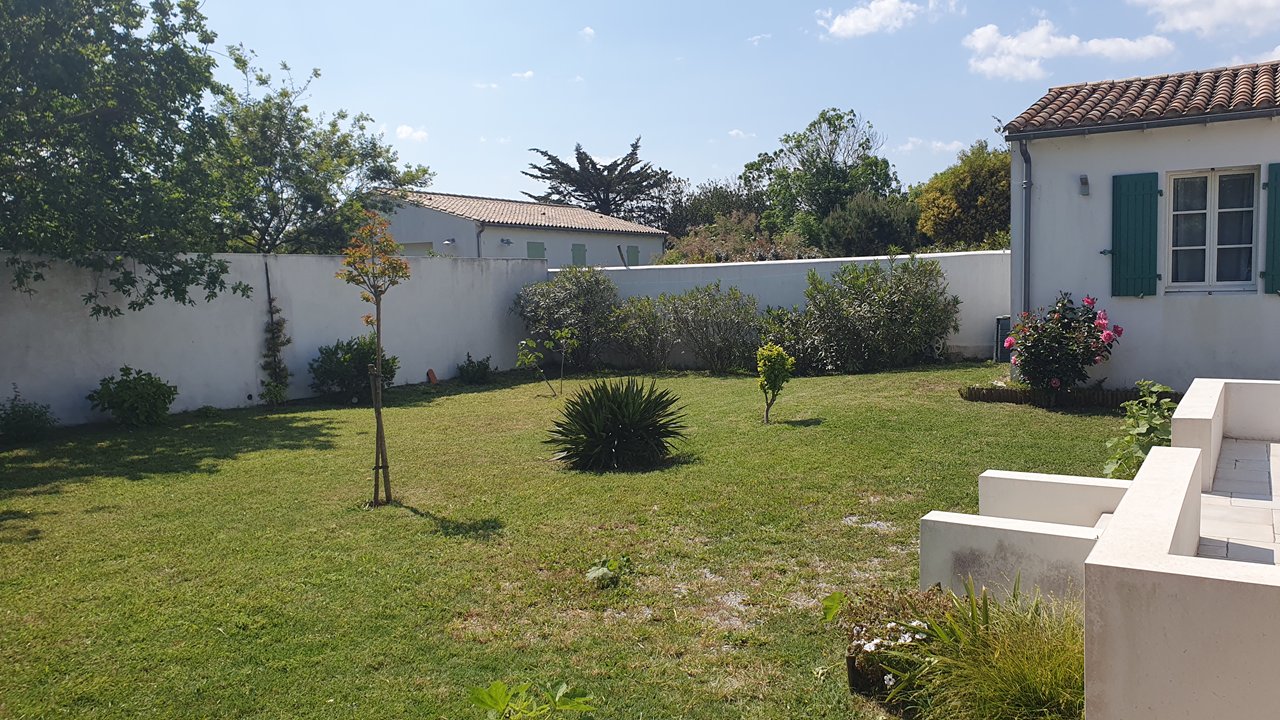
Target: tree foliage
{"x": 104, "y": 142}
{"x": 869, "y": 224}
{"x": 298, "y": 181}
{"x": 711, "y": 200}
{"x": 737, "y": 237}
{"x": 625, "y": 188}
{"x": 967, "y": 205}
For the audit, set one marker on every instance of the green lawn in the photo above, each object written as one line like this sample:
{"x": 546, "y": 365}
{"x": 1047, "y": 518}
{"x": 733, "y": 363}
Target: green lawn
{"x": 225, "y": 566}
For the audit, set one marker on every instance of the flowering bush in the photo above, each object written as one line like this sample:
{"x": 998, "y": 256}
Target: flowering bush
{"x": 1054, "y": 349}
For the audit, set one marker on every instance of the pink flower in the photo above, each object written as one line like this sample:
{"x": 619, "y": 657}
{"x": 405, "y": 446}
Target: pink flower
{"x": 1100, "y": 323}
{"x": 1119, "y": 331}
{"x": 1013, "y": 359}
{"x": 1089, "y": 301}
{"x": 1009, "y": 342}
{"x": 1108, "y": 337}
{"x": 1097, "y": 360}
{"x": 1055, "y": 383}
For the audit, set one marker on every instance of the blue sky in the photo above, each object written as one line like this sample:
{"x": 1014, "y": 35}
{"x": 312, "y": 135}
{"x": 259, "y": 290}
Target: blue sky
{"x": 467, "y": 87}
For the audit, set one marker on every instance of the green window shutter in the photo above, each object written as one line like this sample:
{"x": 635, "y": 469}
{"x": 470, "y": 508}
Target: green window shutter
{"x": 1271, "y": 278}
{"x": 579, "y": 254}
{"x": 537, "y": 250}
{"x": 1135, "y": 209}
{"x": 633, "y": 254}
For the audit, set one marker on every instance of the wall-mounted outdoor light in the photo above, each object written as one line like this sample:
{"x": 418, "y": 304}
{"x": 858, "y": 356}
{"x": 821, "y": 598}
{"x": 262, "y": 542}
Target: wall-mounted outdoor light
{"x": 447, "y": 242}
{"x": 1084, "y": 185}
{"x": 505, "y": 241}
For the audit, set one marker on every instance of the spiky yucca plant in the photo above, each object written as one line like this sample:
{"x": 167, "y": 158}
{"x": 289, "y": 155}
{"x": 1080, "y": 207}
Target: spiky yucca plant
{"x": 618, "y": 425}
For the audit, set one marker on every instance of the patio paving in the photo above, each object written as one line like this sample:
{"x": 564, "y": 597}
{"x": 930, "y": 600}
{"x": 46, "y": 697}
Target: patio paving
{"x": 1240, "y": 518}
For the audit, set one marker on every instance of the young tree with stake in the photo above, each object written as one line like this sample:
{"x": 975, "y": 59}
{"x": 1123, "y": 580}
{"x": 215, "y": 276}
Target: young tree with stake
{"x": 774, "y": 366}
{"x": 374, "y": 265}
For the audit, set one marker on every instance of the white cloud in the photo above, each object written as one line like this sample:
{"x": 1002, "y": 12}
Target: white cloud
{"x": 408, "y": 132}
{"x": 504, "y": 139}
{"x": 526, "y": 75}
{"x": 485, "y": 86}
{"x": 484, "y": 139}
{"x": 945, "y": 6}
{"x": 911, "y": 144}
{"x": 737, "y": 134}
{"x": 936, "y": 146}
{"x": 587, "y": 33}
{"x": 1205, "y": 17}
{"x": 870, "y": 17}
{"x": 578, "y": 78}
{"x": 1018, "y": 57}
{"x": 757, "y": 39}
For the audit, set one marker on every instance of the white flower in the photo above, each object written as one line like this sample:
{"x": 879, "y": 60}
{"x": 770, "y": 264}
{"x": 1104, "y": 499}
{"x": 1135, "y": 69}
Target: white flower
{"x": 889, "y": 680}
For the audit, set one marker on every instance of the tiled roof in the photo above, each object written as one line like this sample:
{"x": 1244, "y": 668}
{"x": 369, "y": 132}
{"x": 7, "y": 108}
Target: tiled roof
{"x": 517, "y": 213}
{"x": 1199, "y": 96}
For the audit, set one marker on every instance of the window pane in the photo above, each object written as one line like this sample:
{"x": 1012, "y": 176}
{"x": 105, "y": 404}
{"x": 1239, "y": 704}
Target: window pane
{"x": 1190, "y": 193}
{"x": 1235, "y": 227}
{"x": 1235, "y": 264}
{"x": 1235, "y": 191}
{"x": 1188, "y": 266}
{"x": 1189, "y": 230}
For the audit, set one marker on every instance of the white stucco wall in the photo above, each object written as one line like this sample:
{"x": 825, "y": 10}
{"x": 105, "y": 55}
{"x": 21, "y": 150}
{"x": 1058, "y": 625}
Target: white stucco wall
{"x": 57, "y": 353}
{"x": 415, "y": 227}
{"x": 1171, "y": 337}
{"x": 980, "y": 279}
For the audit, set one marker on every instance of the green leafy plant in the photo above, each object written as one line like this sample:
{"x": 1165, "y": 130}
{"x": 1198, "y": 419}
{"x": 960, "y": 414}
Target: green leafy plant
{"x": 341, "y": 370}
{"x": 1148, "y": 423}
{"x": 607, "y": 572}
{"x": 24, "y": 421}
{"x": 578, "y": 298}
{"x": 774, "y": 367}
{"x": 476, "y": 372}
{"x": 1053, "y": 349}
{"x": 525, "y": 702}
{"x": 720, "y": 327}
{"x": 275, "y": 387}
{"x": 529, "y": 357}
{"x": 618, "y": 425}
{"x": 643, "y": 334}
{"x": 136, "y": 398}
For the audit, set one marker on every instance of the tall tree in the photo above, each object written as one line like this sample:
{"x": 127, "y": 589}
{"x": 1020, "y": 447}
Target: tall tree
{"x": 298, "y": 181}
{"x": 967, "y": 205}
{"x": 624, "y": 188}
{"x": 711, "y": 200}
{"x": 104, "y": 146}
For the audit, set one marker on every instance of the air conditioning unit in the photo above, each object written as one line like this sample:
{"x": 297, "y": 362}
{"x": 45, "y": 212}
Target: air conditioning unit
{"x": 1004, "y": 324}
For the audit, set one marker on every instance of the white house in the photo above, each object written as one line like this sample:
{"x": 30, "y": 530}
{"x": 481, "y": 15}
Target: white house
{"x": 1161, "y": 197}
{"x": 468, "y": 226}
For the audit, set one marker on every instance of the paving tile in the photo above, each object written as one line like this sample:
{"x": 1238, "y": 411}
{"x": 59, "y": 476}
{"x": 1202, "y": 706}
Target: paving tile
{"x": 1249, "y": 500}
{"x": 1231, "y": 513}
{"x": 1255, "y": 552}
{"x": 1212, "y": 547}
{"x": 1215, "y": 499}
{"x": 1245, "y": 449}
{"x": 1242, "y": 530}
{"x": 1242, "y": 481}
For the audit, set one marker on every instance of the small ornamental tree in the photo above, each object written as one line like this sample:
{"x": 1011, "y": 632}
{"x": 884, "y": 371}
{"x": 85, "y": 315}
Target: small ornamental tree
{"x": 1053, "y": 349}
{"x": 774, "y": 366}
{"x": 372, "y": 263}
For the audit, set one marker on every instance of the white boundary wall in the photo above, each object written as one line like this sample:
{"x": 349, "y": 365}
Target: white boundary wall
{"x": 981, "y": 279}
{"x": 57, "y": 354}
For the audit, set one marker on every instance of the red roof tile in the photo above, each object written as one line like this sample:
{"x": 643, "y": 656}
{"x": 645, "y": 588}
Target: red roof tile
{"x": 1120, "y": 104}
{"x": 518, "y": 213}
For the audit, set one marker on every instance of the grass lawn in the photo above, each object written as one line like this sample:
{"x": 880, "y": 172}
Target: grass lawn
{"x": 224, "y": 565}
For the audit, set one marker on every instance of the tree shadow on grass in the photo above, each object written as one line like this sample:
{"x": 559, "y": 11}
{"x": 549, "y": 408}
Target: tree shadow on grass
{"x": 15, "y": 527}
{"x": 807, "y": 422}
{"x": 482, "y": 529}
{"x": 187, "y": 444}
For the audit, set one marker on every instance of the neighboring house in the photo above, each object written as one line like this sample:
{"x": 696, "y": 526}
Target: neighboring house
{"x": 467, "y": 226}
{"x": 1161, "y": 197}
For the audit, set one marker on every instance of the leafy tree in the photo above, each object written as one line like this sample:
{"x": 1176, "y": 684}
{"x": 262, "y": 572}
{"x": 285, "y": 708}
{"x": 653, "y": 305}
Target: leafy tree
{"x": 298, "y": 181}
{"x": 737, "y": 237}
{"x": 967, "y": 205}
{"x": 372, "y": 263}
{"x": 711, "y": 200}
{"x": 104, "y": 142}
{"x": 869, "y": 224}
{"x": 774, "y": 367}
{"x": 624, "y": 188}
{"x": 818, "y": 169}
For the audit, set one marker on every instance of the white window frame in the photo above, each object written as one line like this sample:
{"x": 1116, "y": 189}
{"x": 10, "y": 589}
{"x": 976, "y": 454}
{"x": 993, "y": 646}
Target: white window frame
{"x": 1211, "y": 229}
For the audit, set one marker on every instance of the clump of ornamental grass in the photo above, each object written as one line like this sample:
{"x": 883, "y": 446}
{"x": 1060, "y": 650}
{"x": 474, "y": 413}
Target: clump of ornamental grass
{"x": 618, "y": 425}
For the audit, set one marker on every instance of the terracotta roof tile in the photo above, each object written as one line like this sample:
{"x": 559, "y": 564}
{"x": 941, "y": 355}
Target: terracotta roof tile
{"x": 519, "y": 213}
{"x": 1116, "y": 103}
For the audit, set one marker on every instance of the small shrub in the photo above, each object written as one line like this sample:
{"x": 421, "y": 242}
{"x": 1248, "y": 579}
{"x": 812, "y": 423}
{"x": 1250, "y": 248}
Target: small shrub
{"x": 796, "y": 332}
{"x": 578, "y": 298}
{"x": 341, "y": 370}
{"x": 525, "y": 702}
{"x": 136, "y": 398}
{"x": 721, "y": 328}
{"x": 476, "y": 372}
{"x": 23, "y": 421}
{"x": 1053, "y": 349}
{"x": 1148, "y": 423}
{"x": 273, "y": 393}
{"x": 774, "y": 367}
{"x": 529, "y": 356}
{"x": 275, "y": 388}
{"x": 643, "y": 334}
{"x": 618, "y": 425}
{"x": 607, "y": 572}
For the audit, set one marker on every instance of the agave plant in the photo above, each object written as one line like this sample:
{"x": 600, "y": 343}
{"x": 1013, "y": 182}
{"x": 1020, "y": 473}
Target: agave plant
{"x": 618, "y": 425}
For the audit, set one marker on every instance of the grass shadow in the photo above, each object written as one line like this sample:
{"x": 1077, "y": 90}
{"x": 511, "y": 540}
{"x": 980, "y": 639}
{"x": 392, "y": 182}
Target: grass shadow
{"x": 807, "y": 422}
{"x": 482, "y": 529}
{"x": 188, "y": 443}
{"x": 14, "y": 527}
